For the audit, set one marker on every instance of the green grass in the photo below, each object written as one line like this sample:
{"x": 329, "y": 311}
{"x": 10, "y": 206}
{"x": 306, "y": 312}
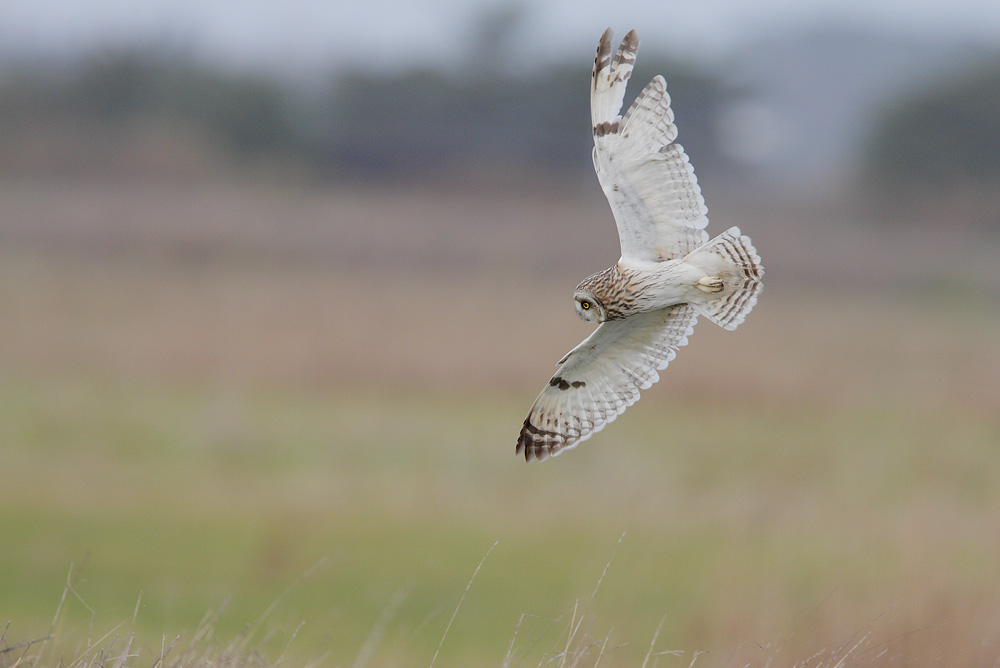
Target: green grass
{"x": 230, "y": 403}
{"x": 344, "y": 508}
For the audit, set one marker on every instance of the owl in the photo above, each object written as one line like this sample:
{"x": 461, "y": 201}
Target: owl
{"x": 669, "y": 272}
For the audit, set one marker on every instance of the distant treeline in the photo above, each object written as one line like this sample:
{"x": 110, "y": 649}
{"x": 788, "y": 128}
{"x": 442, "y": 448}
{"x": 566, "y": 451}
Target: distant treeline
{"x": 944, "y": 136}
{"x": 124, "y": 97}
{"x": 177, "y": 114}
{"x": 360, "y": 124}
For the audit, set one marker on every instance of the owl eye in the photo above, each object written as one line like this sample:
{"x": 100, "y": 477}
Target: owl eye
{"x": 585, "y": 305}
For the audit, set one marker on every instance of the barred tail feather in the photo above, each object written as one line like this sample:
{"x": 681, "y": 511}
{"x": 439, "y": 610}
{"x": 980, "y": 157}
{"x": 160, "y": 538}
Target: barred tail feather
{"x": 731, "y": 257}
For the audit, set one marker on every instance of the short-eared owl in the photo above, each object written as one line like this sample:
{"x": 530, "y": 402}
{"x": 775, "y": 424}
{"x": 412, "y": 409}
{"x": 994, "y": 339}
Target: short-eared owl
{"x": 668, "y": 274}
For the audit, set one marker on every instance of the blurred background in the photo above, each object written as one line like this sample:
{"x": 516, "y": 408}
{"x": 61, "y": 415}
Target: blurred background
{"x": 279, "y": 281}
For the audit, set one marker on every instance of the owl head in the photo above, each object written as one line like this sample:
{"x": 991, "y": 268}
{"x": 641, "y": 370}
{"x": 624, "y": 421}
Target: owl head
{"x": 587, "y": 307}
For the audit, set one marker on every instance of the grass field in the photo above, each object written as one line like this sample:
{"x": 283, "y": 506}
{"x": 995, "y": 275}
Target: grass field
{"x": 300, "y": 408}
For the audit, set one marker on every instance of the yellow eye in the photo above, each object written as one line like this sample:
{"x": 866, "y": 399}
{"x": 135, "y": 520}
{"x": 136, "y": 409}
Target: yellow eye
{"x": 585, "y": 305}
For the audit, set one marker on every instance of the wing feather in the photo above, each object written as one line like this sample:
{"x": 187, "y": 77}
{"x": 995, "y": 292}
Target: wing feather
{"x": 648, "y": 180}
{"x": 602, "y": 377}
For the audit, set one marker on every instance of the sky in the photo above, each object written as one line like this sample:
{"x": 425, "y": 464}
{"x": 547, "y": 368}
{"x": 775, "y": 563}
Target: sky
{"x": 309, "y": 34}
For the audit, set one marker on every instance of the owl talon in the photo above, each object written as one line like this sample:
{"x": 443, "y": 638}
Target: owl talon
{"x": 710, "y": 284}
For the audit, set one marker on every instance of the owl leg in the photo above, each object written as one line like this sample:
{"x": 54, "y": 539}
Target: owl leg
{"x": 710, "y": 284}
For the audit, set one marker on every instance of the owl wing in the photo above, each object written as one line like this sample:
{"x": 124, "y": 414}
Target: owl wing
{"x": 601, "y": 377}
{"x": 648, "y": 180}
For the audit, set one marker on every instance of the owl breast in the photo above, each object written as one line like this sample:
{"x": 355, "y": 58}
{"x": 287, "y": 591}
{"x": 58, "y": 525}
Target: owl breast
{"x": 627, "y": 289}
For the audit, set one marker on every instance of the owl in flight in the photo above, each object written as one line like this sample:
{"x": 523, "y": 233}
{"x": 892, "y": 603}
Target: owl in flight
{"x": 668, "y": 274}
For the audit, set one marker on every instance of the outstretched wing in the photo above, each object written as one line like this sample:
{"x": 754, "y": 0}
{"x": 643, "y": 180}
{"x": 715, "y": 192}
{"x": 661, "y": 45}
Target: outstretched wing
{"x": 647, "y": 179}
{"x": 602, "y": 377}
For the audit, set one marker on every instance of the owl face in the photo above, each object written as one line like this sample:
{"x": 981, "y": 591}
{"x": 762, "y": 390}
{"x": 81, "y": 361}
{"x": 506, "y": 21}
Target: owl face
{"x": 588, "y": 308}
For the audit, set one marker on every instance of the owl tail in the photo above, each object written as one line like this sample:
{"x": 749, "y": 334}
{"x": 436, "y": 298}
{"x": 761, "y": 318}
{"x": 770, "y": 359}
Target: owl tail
{"x": 730, "y": 290}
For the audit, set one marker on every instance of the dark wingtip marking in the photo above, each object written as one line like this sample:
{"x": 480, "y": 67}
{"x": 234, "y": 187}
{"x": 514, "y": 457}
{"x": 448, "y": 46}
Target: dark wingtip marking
{"x": 606, "y": 128}
{"x": 558, "y": 381}
{"x": 626, "y": 52}
{"x": 535, "y": 443}
{"x": 603, "y": 58}
{"x": 563, "y": 384}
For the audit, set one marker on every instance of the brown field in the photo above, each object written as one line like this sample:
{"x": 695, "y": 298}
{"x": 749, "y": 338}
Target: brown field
{"x": 343, "y": 372}
{"x": 412, "y": 286}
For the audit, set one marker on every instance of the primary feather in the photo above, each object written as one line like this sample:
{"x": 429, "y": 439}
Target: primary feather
{"x": 602, "y": 377}
{"x": 648, "y": 180}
